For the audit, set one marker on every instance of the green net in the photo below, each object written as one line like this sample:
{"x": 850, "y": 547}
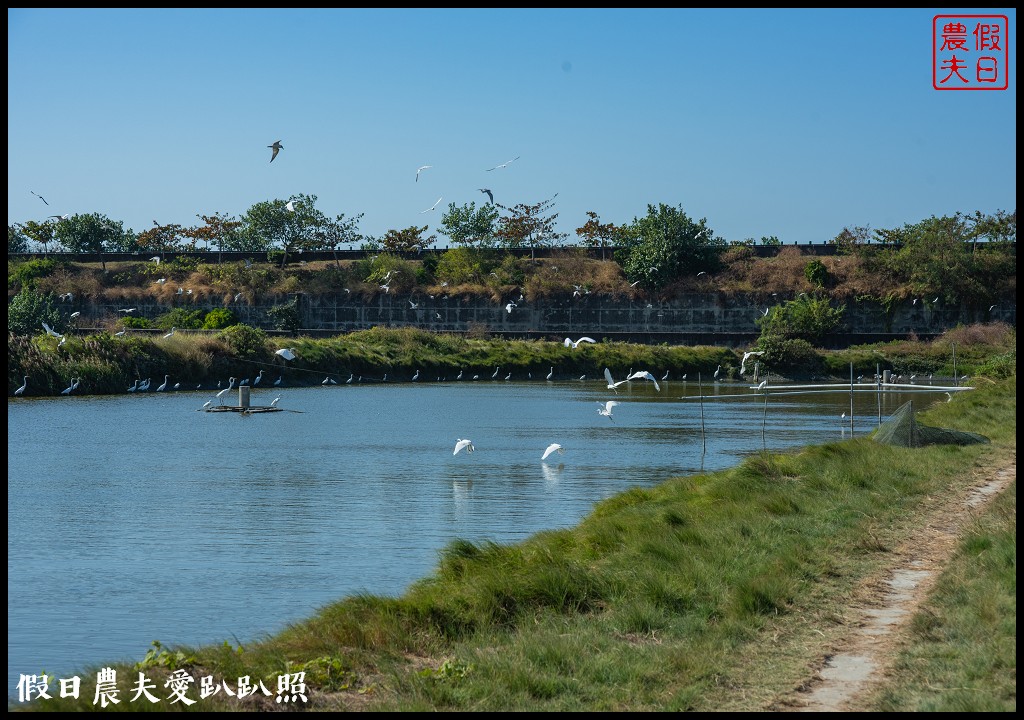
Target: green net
{"x": 904, "y": 430}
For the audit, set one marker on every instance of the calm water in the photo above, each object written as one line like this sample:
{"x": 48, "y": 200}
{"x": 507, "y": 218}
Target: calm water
{"x": 136, "y": 518}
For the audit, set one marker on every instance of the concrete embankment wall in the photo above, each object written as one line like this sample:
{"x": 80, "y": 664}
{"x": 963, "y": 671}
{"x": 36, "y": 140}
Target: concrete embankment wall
{"x": 693, "y": 319}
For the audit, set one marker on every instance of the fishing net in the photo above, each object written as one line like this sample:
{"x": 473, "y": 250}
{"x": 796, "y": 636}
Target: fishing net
{"x": 904, "y": 430}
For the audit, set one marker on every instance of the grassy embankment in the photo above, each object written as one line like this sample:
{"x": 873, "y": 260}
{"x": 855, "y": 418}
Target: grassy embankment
{"x": 710, "y": 592}
{"x": 108, "y": 365}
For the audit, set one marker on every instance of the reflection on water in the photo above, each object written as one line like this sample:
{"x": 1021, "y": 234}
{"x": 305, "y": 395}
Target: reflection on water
{"x": 136, "y": 518}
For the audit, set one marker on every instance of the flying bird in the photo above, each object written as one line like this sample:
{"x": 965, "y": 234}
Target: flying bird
{"x": 553, "y": 447}
{"x": 463, "y": 444}
{"x": 51, "y": 332}
{"x": 421, "y": 169}
{"x": 569, "y": 343}
{"x": 607, "y": 409}
{"x": 644, "y": 375}
{"x": 39, "y": 196}
{"x": 432, "y": 206}
{"x": 612, "y": 385}
{"x": 496, "y": 167}
{"x": 286, "y": 353}
{"x": 488, "y": 193}
{"x": 508, "y": 308}
{"x": 290, "y": 205}
{"x": 276, "y": 147}
{"x": 746, "y": 356}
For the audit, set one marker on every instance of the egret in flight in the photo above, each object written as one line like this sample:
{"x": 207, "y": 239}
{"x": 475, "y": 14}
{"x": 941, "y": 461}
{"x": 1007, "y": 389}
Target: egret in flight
{"x": 286, "y": 353}
{"x": 432, "y": 206}
{"x": 746, "y": 356}
{"x": 463, "y": 444}
{"x": 421, "y": 169}
{"x": 607, "y": 409}
{"x": 644, "y": 375}
{"x": 553, "y": 447}
{"x": 612, "y": 385}
{"x": 569, "y": 343}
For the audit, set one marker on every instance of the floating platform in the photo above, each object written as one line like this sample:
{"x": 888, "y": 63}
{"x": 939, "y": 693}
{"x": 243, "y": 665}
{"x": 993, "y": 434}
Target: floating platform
{"x": 251, "y": 410}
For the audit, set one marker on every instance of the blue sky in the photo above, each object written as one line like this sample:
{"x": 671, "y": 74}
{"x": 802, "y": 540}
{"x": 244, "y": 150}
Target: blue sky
{"x": 793, "y": 123}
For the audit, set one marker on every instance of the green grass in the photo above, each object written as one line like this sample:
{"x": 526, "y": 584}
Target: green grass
{"x": 704, "y": 593}
{"x": 962, "y": 655}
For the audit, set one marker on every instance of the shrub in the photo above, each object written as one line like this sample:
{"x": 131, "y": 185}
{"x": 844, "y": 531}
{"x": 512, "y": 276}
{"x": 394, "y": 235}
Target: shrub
{"x": 286, "y": 316}
{"x": 180, "y": 318}
{"x": 28, "y": 272}
{"x": 805, "y": 318}
{"x": 219, "y": 318}
{"x": 29, "y": 309}
{"x": 816, "y": 273}
{"x": 791, "y": 356}
{"x": 246, "y": 342}
{"x": 459, "y": 266}
{"x": 139, "y": 323}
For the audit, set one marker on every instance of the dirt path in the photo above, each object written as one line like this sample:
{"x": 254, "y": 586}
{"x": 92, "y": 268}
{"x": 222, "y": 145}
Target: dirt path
{"x": 882, "y": 606}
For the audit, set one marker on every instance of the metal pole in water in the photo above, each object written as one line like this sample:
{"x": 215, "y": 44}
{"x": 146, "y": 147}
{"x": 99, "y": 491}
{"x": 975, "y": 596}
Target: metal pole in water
{"x": 703, "y": 436}
{"x": 878, "y": 393}
{"x": 851, "y": 399}
{"x": 243, "y": 397}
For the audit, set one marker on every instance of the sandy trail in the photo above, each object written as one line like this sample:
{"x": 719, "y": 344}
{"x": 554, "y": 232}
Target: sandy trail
{"x": 884, "y": 604}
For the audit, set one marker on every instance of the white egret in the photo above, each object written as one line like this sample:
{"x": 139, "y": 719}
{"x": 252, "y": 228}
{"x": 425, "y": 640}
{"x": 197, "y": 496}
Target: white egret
{"x": 327, "y": 380}
{"x": 718, "y": 371}
{"x": 69, "y": 388}
{"x": 286, "y": 353}
{"x": 416, "y": 376}
{"x": 134, "y": 387}
{"x": 553, "y": 447}
{"x": 51, "y": 332}
{"x": 280, "y": 379}
{"x": 121, "y": 334}
{"x": 463, "y": 444}
{"x": 569, "y": 343}
{"x": 206, "y": 404}
{"x": 144, "y": 385}
{"x": 21, "y": 390}
{"x": 495, "y": 375}
{"x": 551, "y": 374}
{"x": 508, "y": 308}
{"x": 459, "y": 376}
{"x": 607, "y": 409}
{"x": 612, "y": 385}
{"x": 420, "y": 169}
{"x": 504, "y": 165}
{"x": 75, "y": 314}
{"x": 644, "y": 375}
{"x": 164, "y": 386}
{"x": 432, "y": 206}
{"x": 508, "y": 377}
{"x": 762, "y": 386}
{"x": 581, "y": 378}
{"x": 274, "y": 402}
{"x": 170, "y": 333}
{"x": 177, "y": 386}
{"x": 746, "y": 356}
{"x": 257, "y": 380}
{"x": 665, "y": 376}
{"x": 244, "y": 383}
{"x": 351, "y": 376}
{"x": 231, "y": 384}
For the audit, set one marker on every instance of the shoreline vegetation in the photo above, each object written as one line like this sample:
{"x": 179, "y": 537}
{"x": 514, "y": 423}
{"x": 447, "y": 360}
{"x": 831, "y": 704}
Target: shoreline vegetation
{"x": 105, "y": 364}
{"x": 710, "y": 592}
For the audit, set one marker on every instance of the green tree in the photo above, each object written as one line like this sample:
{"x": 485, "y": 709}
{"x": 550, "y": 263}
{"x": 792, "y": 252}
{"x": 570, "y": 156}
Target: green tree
{"x": 337, "y": 232}
{"x": 88, "y": 233}
{"x": 17, "y": 240}
{"x": 597, "y": 234}
{"x": 219, "y": 318}
{"x": 286, "y": 224}
{"x": 247, "y": 343}
{"x": 41, "y": 233}
{"x": 409, "y": 240}
{"x": 667, "y": 244}
{"x": 529, "y": 226}
{"x": 469, "y": 226}
{"x": 29, "y": 309}
{"x": 816, "y": 273}
{"x": 770, "y": 240}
